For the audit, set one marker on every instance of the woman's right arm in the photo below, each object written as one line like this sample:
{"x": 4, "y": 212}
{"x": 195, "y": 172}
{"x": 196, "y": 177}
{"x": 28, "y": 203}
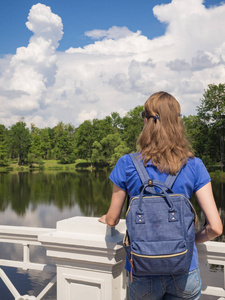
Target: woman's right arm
{"x": 213, "y": 227}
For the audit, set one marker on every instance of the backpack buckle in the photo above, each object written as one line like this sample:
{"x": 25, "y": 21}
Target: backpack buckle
{"x": 150, "y": 182}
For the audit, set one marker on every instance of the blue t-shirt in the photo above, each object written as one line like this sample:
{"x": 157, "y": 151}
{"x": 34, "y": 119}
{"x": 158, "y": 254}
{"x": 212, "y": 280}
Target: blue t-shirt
{"x": 191, "y": 178}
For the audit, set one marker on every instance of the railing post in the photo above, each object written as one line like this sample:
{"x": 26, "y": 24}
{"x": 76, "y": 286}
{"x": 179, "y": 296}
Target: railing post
{"x": 89, "y": 257}
{"x": 26, "y": 255}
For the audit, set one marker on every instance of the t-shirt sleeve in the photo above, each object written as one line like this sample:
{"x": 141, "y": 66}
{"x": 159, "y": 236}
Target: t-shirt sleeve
{"x": 118, "y": 174}
{"x": 202, "y": 176}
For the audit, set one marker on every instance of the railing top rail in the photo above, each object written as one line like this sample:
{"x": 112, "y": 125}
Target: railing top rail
{"x": 212, "y": 247}
{"x": 20, "y": 234}
{"x": 24, "y": 230}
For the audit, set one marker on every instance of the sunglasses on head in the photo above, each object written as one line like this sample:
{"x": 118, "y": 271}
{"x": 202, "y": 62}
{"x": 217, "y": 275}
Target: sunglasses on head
{"x": 145, "y": 115}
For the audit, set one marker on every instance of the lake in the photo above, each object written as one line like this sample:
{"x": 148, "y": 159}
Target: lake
{"x": 40, "y": 199}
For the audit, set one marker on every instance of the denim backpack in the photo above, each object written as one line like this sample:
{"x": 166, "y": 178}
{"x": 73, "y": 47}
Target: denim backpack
{"x": 160, "y": 233}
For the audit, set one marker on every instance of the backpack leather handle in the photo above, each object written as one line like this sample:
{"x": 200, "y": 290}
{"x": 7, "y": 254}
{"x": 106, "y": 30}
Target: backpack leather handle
{"x": 162, "y": 187}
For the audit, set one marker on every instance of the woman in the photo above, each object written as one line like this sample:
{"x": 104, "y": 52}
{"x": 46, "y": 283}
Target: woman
{"x": 164, "y": 150}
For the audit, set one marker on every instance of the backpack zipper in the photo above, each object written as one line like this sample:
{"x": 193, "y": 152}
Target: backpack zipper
{"x": 158, "y": 256}
{"x": 131, "y": 270}
{"x": 151, "y": 257}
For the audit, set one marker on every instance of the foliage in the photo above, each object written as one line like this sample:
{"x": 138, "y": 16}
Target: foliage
{"x": 19, "y": 141}
{"x": 4, "y": 149}
{"x": 64, "y": 143}
{"x": 212, "y": 113}
{"x": 103, "y": 142}
{"x": 119, "y": 151}
{"x": 35, "y": 148}
{"x": 84, "y": 140}
{"x": 197, "y": 134}
{"x": 212, "y": 108}
{"x": 109, "y": 149}
{"x": 97, "y": 154}
{"x": 132, "y": 126}
{"x": 31, "y": 159}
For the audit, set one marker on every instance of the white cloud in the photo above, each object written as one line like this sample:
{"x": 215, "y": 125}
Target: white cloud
{"x": 43, "y": 23}
{"x": 28, "y": 74}
{"x": 116, "y": 72}
{"x": 123, "y": 45}
{"x": 191, "y": 27}
{"x": 86, "y": 115}
{"x": 113, "y": 33}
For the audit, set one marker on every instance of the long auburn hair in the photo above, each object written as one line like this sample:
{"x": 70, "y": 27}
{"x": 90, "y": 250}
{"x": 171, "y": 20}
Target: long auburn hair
{"x": 162, "y": 139}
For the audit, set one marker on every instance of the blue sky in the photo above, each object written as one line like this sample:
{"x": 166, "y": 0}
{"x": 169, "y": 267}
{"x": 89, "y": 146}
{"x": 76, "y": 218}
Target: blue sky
{"x": 79, "y": 17}
{"x": 75, "y": 60}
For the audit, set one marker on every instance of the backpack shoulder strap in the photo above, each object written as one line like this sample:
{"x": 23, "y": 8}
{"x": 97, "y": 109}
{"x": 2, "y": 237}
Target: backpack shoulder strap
{"x": 141, "y": 170}
{"x": 171, "y": 179}
{"x": 144, "y": 175}
{"x": 139, "y": 167}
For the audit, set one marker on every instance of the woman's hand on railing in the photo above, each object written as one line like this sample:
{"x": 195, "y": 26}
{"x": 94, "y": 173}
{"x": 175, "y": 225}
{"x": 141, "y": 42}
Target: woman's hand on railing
{"x": 102, "y": 219}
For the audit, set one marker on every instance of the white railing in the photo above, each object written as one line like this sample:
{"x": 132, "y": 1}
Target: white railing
{"x": 212, "y": 266}
{"x": 25, "y": 236}
{"x": 88, "y": 257}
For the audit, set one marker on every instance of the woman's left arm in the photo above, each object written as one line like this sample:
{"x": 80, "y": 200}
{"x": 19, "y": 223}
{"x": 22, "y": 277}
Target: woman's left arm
{"x": 113, "y": 215}
{"x": 213, "y": 227}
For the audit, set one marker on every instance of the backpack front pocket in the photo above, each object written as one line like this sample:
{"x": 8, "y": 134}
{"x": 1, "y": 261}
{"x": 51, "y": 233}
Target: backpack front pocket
{"x": 159, "y": 258}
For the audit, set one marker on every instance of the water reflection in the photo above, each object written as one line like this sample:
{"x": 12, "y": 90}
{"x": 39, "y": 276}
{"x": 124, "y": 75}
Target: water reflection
{"x": 25, "y": 196}
{"x": 41, "y": 199}
{"x": 27, "y": 283}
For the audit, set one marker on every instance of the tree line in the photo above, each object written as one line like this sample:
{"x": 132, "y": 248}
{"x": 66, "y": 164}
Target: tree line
{"x": 102, "y": 142}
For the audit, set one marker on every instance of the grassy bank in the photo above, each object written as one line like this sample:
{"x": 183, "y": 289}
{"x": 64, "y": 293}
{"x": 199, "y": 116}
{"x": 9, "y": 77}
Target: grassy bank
{"x": 53, "y": 165}
{"x": 218, "y": 175}
{"x": 80, "y": 164}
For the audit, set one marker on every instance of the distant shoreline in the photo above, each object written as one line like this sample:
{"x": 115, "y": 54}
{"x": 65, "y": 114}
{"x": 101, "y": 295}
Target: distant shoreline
{"x": 52, "y": 165}
{"x": 79, "y": 164}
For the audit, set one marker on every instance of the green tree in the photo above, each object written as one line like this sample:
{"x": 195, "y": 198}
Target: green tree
{"x": 101, "y": 128}
{"x": 132, "y": 126}
{"x": 119, "y": 151}
{"x": 109, "y": 149}
{"x": 4, "y": 149}
{"x": 45, "y": 143}
{"x": 20, "y": 141}
{"x": 35, "y": 148}
{"x": 84, "y": 140}
{"x": 109, "y": 143}
{"x": 197, "y": 134}
{"x": 116, "y": 121}
{"x": 31, "y": 159}
{"x": 97, "y": 154}
{"x": 64, "y": 145}
{"x": 212, "y": 112}
{"x": 51, "y": 134}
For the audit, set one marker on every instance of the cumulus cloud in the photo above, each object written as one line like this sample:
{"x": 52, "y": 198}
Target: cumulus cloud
{"x": 28, "y": 74}
{"x": 45, "y": 24}
{"x": 118, "y": 70}
{"x": 113, "y": 33}
{"x": 121, "y": 45}
{"x": 190, "y": 27}
{"x": 86, "y": 115}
